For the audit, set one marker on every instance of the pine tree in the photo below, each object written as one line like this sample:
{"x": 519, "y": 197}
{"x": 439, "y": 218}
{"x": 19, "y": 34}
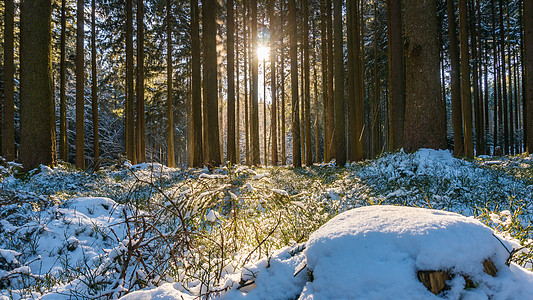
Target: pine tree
{"x": 340, "y": 137}
{"x": 8, "y": 118}
{"x": 80, "y": 86}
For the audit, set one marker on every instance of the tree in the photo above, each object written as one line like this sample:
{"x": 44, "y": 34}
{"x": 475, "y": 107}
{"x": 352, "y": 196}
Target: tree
{"x": 170, "y": 110}
{"x": 94, "y": 88}
{"x": 457, "y": 118}
{"x": 63, "y": 139}
{"x": 330, "y": 108}
{"x": 130, "y": 123}
{"x": 80, "y": 86}
{"x": 528, "y": 55}
{"x": 37, "y": 124}
{"x": 307, "y": 84}
{"x": 396, "y": 75}
{"x": 198, "y": 156}
{"x": 273, "y": 115}
{"x": 466, "y": 97}
{"x": 256, "y": 159}
{"x": 340, "y": 137}
{"x": 355, "y": 81}
{"x": 296, "y": 147}
{"x": 212, "y": 156}
{"x": 425, "y": 116}
{"x": 8, "y": 119}
{"x": 324, "y": 71}
{"x": 232, "y": 151}
{"x": 140, "y": 132}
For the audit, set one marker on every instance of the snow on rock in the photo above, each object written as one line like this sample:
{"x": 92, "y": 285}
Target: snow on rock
{"x": 375, "y": 252}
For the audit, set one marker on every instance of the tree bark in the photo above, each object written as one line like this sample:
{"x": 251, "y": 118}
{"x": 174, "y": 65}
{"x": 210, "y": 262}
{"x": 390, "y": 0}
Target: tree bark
{"x": 130, "y": 100}
{"x": 425, "y": 114}
{"x": 140, "y": 131}
{"x": 528, "y": 59}
{"x": 37, "y": 122}
{"x": 330, "y": 111}
{"x": 212, "y": 156}
{"x": 231, "y": 150}
{"x": 296, "y": 147}
{"x": 307, "y": 84}
{"x": 80, "y": 81}
{"x": 273, "y": 113}
{"x": 170, "y": 96}
{"x": 63, "y": 139}
{"x": 198, "y": 156}
{"x": 8, "y": 118}
{"x": 340, "y": 138}
{"x": 466, "y": 96}
{"x": 94, "y": 89}
{"x": 256, "y": 158}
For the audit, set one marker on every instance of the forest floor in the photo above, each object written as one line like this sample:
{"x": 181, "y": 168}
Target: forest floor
{"x": 147, "y": 231}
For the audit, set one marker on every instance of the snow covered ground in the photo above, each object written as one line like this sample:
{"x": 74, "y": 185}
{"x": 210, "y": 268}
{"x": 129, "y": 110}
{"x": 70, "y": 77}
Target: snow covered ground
{"x": 244, "y": 232}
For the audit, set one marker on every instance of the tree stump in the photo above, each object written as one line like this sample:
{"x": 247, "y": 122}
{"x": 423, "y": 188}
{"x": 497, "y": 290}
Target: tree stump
{"x": 434, "y": 281}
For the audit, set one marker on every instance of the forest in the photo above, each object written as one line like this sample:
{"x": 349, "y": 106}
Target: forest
{"x": 266, "y": 149}
{"x": 261, "y": 82}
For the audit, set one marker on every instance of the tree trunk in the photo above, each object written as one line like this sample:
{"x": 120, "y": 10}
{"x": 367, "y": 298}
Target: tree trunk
{"x": 396, "y": 75}
{"x": 528, "y": 59}
{"x": 246, "y": 84}
{"x": 170, "y": 97}
{"x": 94, "y": 91}
{"x": 140, "y": 131}
{"x": 231, "y": 150}
{"x": 340, "y": 138}
{"x": 282, "y": 58}
{"x": 63, "y": 139}
{"x": 198, "y": 156}
{"x": 80, "y": 97}
{"x": 293, "y": 34}
{"x": 37, "y": 124}
{"x": 478, "y": 119}
{"x": 212, "y": 156}
{"x": 375, "y": 103}
{"x": 307, "y": 84}
{"x": 325, "y": 75}
{"x": 256, "y": 158}
{"x": 425, "y": 114}
{"x": 130, "y": 100}
{"x": 273, "y": 113}
{"x": 466, "y": 97}
{"x": 330, "y": 111}
{"x": 8, "y": 118}
{"x": 457, "y": 119}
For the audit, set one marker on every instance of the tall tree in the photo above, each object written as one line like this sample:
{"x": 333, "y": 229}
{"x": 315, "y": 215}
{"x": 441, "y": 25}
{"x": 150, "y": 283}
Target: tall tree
{"x": 457, "y": 118}
{"x": 425, "y": 115}
{"x": 198, "y": 154}
{"x": 63, "y": 139}
{"x": 170, "y": 97}
{"x": 466, "y": 97}
{"x": 396, "y": 74}
{"x": 94, "y": 88}
{"x": 80, "y": 81}
{"x": 340, "y": 135}
{"x": 273, "y": 114}
{"x": 130, "y": 101}
{"x": 296, "y": 147}
{"x": 282, "y": 69}
{"x": 256, "y": 158}
{"x": 140, "y": 132}
{"x": 209, "y": 14}
{"x": 307, "y": 84}
{"x": 330, "y": 109}
{"x": 528, "y": 58}
{"x": 231, "y": 152}
{"x": 324, "y": 71}
{"x": 37, "y": 124}
{"x": 8, "y": 118}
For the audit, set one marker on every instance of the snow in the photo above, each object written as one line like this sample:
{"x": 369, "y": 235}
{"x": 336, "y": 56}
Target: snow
{"x": 375, "y": 252}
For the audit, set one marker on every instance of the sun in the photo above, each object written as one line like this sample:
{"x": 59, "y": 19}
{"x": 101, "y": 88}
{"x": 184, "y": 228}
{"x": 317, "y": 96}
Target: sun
{"x": 263, "y": 52}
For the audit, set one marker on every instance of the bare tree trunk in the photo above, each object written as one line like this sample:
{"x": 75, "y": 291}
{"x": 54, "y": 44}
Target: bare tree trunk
{"x": 330, "y": 111}
{"x": 282, "y": 58}
{"x": 140, "y": 131}
{"x": 425, "y": 114}
{"x": 273, "y": 114}
{"x": 94, "y": 91}
{"x": 63, "y": 139}
{"x": 80, "y": 97}
{"x": 256, "y": 158}
{"x": 231, "y": 150}
{"x": 246, "y": 84}
{"x": 528, "y": 59}
{"x": 296, "y": 147}
{"x": 170, "y": 97}
{"x": 466, "y": 97}
{"x": 130, "y": 105}
{"x": 8, "y": 118}
{"x": 340, "y": 138}
{"x": 198, "y": 157}
{"x": 37, "y": 124}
